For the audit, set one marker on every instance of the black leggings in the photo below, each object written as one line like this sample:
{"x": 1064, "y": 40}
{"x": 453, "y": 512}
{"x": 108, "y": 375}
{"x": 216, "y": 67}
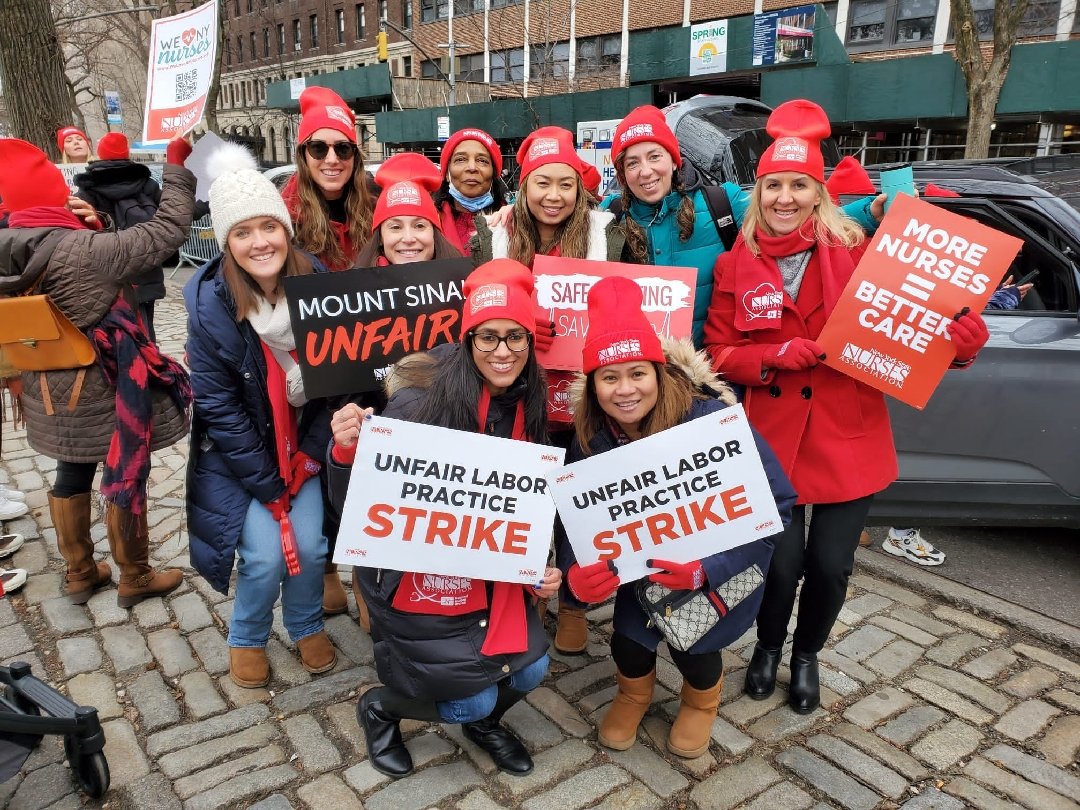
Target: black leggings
{"x": 824, "y": 558}
{"x": 633, "y": 660}
{"x": 74, "y": 478}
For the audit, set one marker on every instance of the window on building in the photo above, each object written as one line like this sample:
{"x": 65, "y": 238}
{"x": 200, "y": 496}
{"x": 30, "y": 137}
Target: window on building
{"x": 254, "y": 50}
{"x": 470, "y": 68}
{"x": 597, "y": 55}
{"x": 406, "y": 66}
{"x": 339, "y": 18}
{"x": 1040, "y": 19}
{"x": 236, "y": 8}
{"x": 406, "y": 14}
{"x": 429, "y": 69}
{"x": 250, "y": 6}
{"x": 549, "y": 61}
{"x": 382, "y": 9}
{"x": 505, "y": 3}
{"x": 239, "y": 50}
{"x": 361, "y": 21}
{"x": 463, "y": 7}
{"x": 830, "y": 11}
{"x": 431, "y": 10}
{"x": 508, "y": 66}
{"x": 891, "y": 23}
{"x": 266, "y": 42}
{"x": 296, "y": 35}
{"x": 313, "y": 26}
{"x": 228, "y": 53}
{"x": 915, "y": 21}
{"x": 281, "y": 38}
{"x": 243, "y": 94}
{"x": 867, "y": 21}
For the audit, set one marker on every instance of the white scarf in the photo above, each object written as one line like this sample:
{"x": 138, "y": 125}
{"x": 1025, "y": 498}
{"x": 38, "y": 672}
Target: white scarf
{"x": 272, "y": 324}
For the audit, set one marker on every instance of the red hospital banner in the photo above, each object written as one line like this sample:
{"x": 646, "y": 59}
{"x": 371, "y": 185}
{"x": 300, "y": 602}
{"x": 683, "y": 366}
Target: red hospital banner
{"x": 924, "y": 265}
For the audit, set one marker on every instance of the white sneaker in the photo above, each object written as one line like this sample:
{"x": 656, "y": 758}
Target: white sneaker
{"x": 9, "y": 544}
{"x": 12, "y": 509}
{"x": 11, "y": 494}
{"x": 909, "y": 544}
{"x": 12, "y": 579}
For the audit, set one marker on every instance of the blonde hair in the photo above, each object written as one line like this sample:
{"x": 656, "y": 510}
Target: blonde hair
{"x": 832, "y": 227}
{"x": 637, "y": 240}
{"x": 313, "y": 230}
{"x": 572, "y": 235}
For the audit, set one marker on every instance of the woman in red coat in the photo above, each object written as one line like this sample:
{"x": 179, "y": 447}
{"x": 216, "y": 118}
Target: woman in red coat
{"x": 773, "y": 294}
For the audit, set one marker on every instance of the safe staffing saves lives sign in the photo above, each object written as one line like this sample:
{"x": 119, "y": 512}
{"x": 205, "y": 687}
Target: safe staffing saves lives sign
{"x": 182, "y": 59}
{"x": 924, "y": 265}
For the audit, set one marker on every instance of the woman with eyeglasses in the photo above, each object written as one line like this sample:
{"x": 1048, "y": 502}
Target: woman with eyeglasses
{"x": 466, "y": 658}
{"x": 471, "y": 167}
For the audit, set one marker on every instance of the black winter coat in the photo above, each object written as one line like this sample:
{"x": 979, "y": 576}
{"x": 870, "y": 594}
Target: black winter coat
{"x": 233, "y": 457}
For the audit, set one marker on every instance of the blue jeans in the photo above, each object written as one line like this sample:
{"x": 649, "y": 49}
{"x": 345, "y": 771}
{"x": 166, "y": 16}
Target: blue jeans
{"x": 261, "y": 574}
{"x": 478, "y": 706}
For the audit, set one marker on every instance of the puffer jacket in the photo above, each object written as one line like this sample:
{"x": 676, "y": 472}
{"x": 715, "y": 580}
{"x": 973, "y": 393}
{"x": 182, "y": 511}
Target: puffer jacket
{"x": 125, "y": 191}
{"x": 86, "y": 271}
{"x": 630, "y": 618}
{"x": 432, "y": 656}
{"x": 233, "y": 452}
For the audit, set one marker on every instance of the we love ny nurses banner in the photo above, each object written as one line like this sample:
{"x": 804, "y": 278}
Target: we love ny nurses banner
{"x": 681, "y": 495}
{"x": 183, "y": 54}
{"x": 924, "y": 265}
{"x": 439, "y": 501}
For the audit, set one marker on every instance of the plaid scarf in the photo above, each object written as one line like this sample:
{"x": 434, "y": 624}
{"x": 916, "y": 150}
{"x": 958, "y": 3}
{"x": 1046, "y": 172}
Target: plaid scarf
{"x": 131, "y": 364}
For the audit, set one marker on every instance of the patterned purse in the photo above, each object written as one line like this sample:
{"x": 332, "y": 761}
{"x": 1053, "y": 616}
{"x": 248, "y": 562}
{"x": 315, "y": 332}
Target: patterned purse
{"x": 685, "y": 617}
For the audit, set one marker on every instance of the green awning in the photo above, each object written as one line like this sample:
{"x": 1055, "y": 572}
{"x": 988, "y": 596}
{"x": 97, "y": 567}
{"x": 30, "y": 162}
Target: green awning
{"x": 363, "y": 86}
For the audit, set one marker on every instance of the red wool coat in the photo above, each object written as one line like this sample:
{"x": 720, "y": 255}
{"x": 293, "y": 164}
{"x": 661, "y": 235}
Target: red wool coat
{"x": 830, "y": 433}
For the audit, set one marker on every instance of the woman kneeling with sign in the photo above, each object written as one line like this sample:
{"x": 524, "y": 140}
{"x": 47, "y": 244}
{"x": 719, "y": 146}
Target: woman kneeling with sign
{"x": 469, "y": 658}
{"x": 635, "y": 389}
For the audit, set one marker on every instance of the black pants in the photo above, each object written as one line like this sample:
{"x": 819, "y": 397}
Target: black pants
{"x": 824, "y": 559}
{"x": 74, "y": 478}
{"x": 633, "y": 660}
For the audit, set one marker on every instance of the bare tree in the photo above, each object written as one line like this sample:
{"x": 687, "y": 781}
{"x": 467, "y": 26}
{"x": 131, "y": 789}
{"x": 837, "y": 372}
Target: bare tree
{"x": 984, "y": 71}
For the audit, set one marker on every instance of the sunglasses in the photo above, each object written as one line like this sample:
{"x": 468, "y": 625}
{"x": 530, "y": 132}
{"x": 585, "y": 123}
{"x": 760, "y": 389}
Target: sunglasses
{"x": 345, "y": 150}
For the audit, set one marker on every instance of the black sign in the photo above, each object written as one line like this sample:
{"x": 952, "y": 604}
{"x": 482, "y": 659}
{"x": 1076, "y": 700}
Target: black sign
{"x": 350, "y": 327}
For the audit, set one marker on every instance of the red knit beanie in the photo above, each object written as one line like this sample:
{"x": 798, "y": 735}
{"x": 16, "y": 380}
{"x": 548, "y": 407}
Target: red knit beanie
{"x": 407, "y": 181}
{"x": 113, "y": 146}
{"x": 322, "y": 107}
{"x": 501, "y": 288}
{"x": 548, "y": 145}
{"x": 29, "y": 178}
{"x": 63, "y": 132}
{"x": 470, "y": 134}
{"x": 618, "y": 332}
{"x": 590, "y": 177}
{"x": 849, "y": 177}
{"x": 799, "y": 127}
{"x": 646, "y": 124}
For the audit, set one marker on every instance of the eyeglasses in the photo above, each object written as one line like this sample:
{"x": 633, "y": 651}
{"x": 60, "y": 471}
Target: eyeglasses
{"x": 345, "y": 150}
{"x": 489, "y": 341}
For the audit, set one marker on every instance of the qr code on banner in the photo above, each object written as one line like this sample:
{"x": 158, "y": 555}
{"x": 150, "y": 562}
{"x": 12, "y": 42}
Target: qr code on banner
{"x": 185, "y": 86}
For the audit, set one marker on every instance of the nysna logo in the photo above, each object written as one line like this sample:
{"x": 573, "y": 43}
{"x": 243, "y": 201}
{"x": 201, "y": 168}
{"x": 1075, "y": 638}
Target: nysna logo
{"x": 764, "y": 301}
{"x": 384, "y": 431}
{"x": 443, "y": 590}
{"x": 618, "y": 350}
{"x": 528, "y": 572}
{"x": 339, "y": 114}
{"x": 729, "y": 419}
{"x": 549, "y": 457}
{"x": 793, "y": 149}
{"x": 490, "y": 295}
{"x": 477, "y": 135}
{"x": 564, "y": 477}
{"x": 403, "y": 194}
{"x": 542, "y": 147}
{"x": 878, "y": 364}
{"x": 637, "y": 131}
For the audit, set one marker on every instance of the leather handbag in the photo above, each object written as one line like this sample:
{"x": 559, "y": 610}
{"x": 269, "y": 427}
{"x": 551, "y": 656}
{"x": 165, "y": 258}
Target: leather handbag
{"x": 36, "y": 336}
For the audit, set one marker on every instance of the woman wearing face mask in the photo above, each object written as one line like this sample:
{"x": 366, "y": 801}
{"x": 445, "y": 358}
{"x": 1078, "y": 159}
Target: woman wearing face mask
{"x": 831, "y": 433}
{"x": 634, "y": 388}
{"x": 73, "y": 144}
{"x": 253, "y": 476}
{"x": 457, "y": 660}
{"x": 471, "y": 167}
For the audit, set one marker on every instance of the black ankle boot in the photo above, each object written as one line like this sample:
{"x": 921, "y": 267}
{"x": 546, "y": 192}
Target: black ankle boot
{"x": 805, "y": 694}
{"x": 379, "y": 712}
{"x": 761, "y": 674}
{"x": 506, "y": 750}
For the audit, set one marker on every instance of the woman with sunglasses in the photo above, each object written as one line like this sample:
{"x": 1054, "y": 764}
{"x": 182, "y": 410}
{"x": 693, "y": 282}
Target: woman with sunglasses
{"x": 471, "y": 167}
{"x": 469, "y": 657}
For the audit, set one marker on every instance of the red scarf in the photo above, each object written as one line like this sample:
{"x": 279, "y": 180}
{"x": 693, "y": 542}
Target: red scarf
{"x": 48, "y": 216}
{"x": 759, "y": 287}
{"x": 458, "y": 227}
{"x": 285, "y": 445}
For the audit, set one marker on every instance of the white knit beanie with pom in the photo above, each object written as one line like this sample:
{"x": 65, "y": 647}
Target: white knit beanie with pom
{"x": 238, "y": 191}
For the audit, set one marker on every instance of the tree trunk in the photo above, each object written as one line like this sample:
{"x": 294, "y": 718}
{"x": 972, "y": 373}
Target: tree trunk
{"x": 212, "y": 93}
{"x": 982, "y": 101}
{"x": 32, "y": 71}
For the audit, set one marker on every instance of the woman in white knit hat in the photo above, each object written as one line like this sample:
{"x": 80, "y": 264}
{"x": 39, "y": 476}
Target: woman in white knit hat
{"x": 253, "y": 486}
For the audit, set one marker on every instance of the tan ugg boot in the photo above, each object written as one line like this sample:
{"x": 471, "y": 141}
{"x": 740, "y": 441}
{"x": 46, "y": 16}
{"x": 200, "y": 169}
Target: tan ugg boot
{"x": 333, "y": 595}
{"x": 362, "y": 615}
{"x": 71, "y": 518}
{"x": 248, "y": 667}
{"x": 572, "y": 634}
{"x": 317, "y": 654}
{"x": 618, "y": 729}
{"x": 129, "y": 540}
{"x": 692, "y": 729}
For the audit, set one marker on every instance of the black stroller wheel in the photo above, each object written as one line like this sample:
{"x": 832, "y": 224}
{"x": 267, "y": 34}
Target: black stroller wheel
{"x": 91, "y": 770}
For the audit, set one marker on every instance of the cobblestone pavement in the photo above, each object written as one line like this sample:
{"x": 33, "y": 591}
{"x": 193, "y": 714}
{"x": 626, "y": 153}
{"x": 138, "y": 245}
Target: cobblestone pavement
{"x": 925, "y": 704}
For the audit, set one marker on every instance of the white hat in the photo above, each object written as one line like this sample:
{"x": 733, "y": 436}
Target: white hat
{"x": 238, "y": 191}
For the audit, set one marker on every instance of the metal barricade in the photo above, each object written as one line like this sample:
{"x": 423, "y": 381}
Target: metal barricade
{"x": 201, "y": 245}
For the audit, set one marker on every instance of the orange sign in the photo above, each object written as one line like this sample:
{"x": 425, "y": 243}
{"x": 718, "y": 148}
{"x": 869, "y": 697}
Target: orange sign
{"x": 923, "y": 266}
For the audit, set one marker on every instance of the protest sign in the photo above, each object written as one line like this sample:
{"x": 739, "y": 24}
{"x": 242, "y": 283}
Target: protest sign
{"x": 562, "y": 288}
{"x": 414, "y": 503}
{"x": 350, "y": 327}
{"x": 181, "y": 67}
{"x": 924, "y": 265}
{"x": 680, "y": 495}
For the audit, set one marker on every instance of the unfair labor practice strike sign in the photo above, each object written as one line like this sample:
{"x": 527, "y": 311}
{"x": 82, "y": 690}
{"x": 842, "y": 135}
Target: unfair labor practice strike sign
{"x": 415, "y": 504}
{"x": 681, "y": 495}
{"x": 924, "y": 265}
{"x": 350, "y": 327}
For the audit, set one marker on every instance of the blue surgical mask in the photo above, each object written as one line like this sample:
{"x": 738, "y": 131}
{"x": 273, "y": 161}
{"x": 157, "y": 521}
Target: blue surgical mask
{"x": 470, "y": 204}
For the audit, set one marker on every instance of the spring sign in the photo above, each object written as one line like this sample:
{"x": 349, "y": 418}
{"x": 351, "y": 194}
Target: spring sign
{"x": 708, "y": 47}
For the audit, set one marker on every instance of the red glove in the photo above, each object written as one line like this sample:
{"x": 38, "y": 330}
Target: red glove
{"x": 593, "y": 583}
{"x": 795, "y": 355}
{"x": 543, "y": 331}
{"x": 303, "y": 468}
{"x": 279, "y": 507}
{"x": 177, "y": 151}
{"x": 969, "y": 334}
{"x": 677, "y": 576}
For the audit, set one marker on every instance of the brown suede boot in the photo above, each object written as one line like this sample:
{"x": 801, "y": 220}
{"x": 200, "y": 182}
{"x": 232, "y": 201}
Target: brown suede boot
{"x": 618, "y": 729}
{"x": 692, "y": 729}
{"x": 362, "y": 615}
{"x": 572, "y": 634}
{"x": 317, "y": 654}
{"x": 248, "y": 667}
{"x": 333, "y": 594}
{"x": 130, "y": 542}
{"x": 71, "y": 517}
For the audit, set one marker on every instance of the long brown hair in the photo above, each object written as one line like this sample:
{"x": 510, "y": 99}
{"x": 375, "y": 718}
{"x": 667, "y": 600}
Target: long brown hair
{"x": 675, "y": 394}
{"x": 572, "y": 235}
{"x": 637, "y": 240}
{"x": 245, "y": 292}
{"x": 369, "y": 256}
{"x": 313, "y": 231}
{"x": 832, "y": 226}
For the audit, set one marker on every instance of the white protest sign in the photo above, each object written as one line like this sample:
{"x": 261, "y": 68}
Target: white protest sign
{"x": 680, "y": 495}
{"x": 439, "y": 501}
{"x": 182, "y": 59}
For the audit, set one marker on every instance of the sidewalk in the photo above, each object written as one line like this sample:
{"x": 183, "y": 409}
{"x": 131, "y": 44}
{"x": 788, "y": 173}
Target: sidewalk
{"x": 926, "y": 704}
